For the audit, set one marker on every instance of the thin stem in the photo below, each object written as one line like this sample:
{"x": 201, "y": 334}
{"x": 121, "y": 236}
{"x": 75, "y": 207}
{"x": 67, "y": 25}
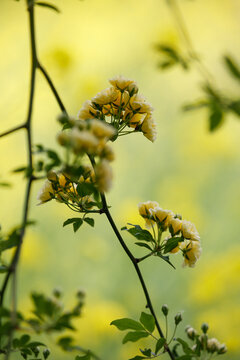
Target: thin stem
{"x": 174, "y": 332}
{"x": 50, "y": 83}
{"x": 166, "y": 324}
{"x": 139, "y": 274}
{"x": 145, "y": 257}
{"x": 22, "y": 126}
{"x": 15, "y": 258}
{"x": 187, "y": 39}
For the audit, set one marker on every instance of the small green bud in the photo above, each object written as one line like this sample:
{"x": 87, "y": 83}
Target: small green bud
{"x": 204, "y": 328}
{"x": 165, "y": 310}
{"x": 57, "y": 292}
{"x": 191, "y": 332}
{"x": 222, "y": 349}
{"x": 178, "y": 216}
{"x": 36, "y": 351}
{"x": 178, "y": 318}
{"x": 80, "y": 294}
{"x": 46, "y": 353}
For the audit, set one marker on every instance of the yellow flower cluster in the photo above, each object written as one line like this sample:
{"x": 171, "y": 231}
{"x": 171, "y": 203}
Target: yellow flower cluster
{"x": 60, "y": 188}
{"x": 123, "y": 107}
{"x": 189, "y": 239}
{"x": 91, "y": 137}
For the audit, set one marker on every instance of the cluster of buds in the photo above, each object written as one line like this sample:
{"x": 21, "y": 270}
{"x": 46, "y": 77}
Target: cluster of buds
{"x": 122, "y": 107}
{"x": 203, "y": 342}
{"x": 183, "y": 237}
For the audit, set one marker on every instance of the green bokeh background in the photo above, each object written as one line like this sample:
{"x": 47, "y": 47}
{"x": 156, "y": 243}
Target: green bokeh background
{"x": 187, "y": 170}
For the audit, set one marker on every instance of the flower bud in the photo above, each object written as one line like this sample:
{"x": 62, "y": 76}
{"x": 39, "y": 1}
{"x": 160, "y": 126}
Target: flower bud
{"x": 63, "y": 138}
{"x": 80, "y": 294}
{"x": 132, "y": 89}
{"x": 36, "y": 351}
{"x": 57, "y": 292}
{"x": 178, "y": 318}
{"x": 191, "y": 332}
{"x": 213, "y": 345}
{"x": 205, "y": 328}
{"x": 52, "y": 176}
{"x": 46, "y": 353}
{"x": 165, "y": 309}
{"x": 222, "y": 349}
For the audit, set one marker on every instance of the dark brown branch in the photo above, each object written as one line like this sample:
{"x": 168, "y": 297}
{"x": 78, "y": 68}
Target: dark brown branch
{"x": 22, "y": 126}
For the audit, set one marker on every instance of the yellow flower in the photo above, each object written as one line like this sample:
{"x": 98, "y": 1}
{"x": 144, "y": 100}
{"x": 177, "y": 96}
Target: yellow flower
{"x": 132, "y": 89}
{"x": 106, "y": 96}
{"x": 139, "y": 104}
{"x": 122, "y": 99}
{"x": 101, "y": 129}
{"x": 87, "y": 111}
{"x": 191, "y": 251}
{"x": 63, "y": 138}
{"x": 137, "y": 119}
{"x": 163, "y": 216}
{"x": 107, "y": 153}
{"x": 83, "y": 141}
{"x": 145, "y": 209}
{"x": 189, "y": 231}
{"x": 120, "y": 82}
{"x": 103, "y": 176}
{"x": 149, "y": 128}
{"x": 45, "y": 192}
{"x": 176, "y": 225}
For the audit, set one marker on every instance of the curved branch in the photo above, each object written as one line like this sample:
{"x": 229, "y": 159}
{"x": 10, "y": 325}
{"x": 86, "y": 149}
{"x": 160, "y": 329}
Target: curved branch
{"x": 50, "y": 83}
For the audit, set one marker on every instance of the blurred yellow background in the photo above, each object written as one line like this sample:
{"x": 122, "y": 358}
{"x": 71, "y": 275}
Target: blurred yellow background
{"x": 187, "y": 169}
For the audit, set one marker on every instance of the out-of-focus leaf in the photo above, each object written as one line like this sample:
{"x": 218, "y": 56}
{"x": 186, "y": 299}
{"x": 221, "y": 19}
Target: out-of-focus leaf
{"x": 215, "y": 117}
{"x": 47, "y": 5}
{"x": 232, "y": 66}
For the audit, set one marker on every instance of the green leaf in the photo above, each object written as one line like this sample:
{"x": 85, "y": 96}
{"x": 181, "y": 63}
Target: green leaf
{"x": 139, "y": 233}
{"x": 84, "y": 189}
{"x": 47, "y": 5}
{"x": 142, "y": 244}
{"x": 138, "y": 357}
{"x": 160, "y": 344}
{"x": 134, "y": 336}
{"x": 172, "y": 243}
{"x": 148, "y": 321}
{"x": 70, "y": 221}
{"x": 232, "y": 67}
{"x": 185, "y": 357}
{"x": 234, "y": 106}
{"x": 3, "y": 269}
{"x": 77, "y": 224}
{"x": 24, "y": 339}
{"x": 166, "y": 258}
{"x": 19, "y": 169}
{"x": 12, "y": 241}
{"x": 89, "y": 221}
{"x": 65, "y": 342}
{"x": 84, "y": 357}
{"x": 5, "y": 184}
{"x": 215, "y": 118}
{"x": 126, "y": 324}
{"x": 34, "y": 344}
{"x": 186, "y": 348}
{"x": 146, "y": 352}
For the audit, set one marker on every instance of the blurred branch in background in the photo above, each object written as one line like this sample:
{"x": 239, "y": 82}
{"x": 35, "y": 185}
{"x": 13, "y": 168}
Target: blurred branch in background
{"x": 217, "y": 103}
